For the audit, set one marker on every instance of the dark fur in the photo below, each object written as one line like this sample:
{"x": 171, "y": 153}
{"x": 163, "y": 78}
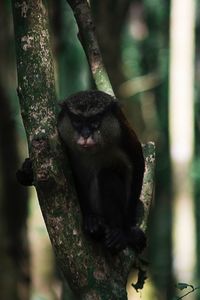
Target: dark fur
{"x": 108, "y": 176}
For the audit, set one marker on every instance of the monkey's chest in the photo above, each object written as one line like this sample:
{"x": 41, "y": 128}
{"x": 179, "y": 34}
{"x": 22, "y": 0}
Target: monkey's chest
{"x": 89, "y": 167}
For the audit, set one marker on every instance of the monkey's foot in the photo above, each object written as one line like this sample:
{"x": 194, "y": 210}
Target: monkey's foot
{"x": 25, "y": 174}
{"x": 94, "y": 225}
{"x": 115, "y": 240}
{"x": 137, "y": 239}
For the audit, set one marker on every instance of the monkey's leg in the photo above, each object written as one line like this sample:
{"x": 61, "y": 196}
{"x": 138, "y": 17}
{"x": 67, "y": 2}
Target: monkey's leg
{"x": 94, "y": 226}
{"x": 113, "y": 197}
{"x": 25, "y": 174}
{"x": 93, "y": 220}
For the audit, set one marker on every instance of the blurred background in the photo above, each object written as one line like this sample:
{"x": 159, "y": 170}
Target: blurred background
{"x": 151, "y": 51}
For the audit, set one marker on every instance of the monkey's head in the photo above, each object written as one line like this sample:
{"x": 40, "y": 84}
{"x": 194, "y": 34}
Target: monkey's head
{"x": 87, "y": 121}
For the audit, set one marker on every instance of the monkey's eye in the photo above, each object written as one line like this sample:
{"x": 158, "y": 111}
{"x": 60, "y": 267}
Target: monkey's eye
{"x": 95, "y": 125}
{"x": 76, "y": 124}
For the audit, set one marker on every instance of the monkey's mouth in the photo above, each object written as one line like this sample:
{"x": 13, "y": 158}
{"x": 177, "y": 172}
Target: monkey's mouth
{"x": 86, "y": 142}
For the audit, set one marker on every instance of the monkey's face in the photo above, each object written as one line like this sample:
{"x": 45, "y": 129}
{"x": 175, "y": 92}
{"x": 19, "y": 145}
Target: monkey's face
{"x": 86, "y": 131}
{"x": 96, "y": 133}
{"x": 87, "y": 122}
{"x": 90, "y": 134}
{"x": 79, "y": 133}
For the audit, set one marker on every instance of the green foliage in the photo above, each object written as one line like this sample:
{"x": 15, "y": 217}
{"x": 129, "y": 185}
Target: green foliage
{"x": 196, "y": 169}
{"x": 157, "y": 11}
{"x": 72, "y": 64}
{"x": 130, "y": 54}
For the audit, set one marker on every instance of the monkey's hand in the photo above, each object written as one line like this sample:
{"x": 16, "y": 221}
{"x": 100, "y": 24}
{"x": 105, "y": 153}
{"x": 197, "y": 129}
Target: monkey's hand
{"x": 25, "y": 174}
{"x": 94, "y": 226}
{"x": 137, "y": 239}
{"x": 115, "y": 240}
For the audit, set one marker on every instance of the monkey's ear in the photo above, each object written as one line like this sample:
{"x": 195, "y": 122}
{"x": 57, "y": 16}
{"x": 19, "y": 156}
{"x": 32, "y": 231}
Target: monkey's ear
{"x": 62, "y": 104}
{"x": 115, "y": 106}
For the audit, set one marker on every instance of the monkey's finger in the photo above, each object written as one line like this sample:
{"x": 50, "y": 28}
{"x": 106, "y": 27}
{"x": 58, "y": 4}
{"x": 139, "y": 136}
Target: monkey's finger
{"x": 112, "y": 238}
{"x": 119, "y": 242}
{"x": 86, "y": 224}
{"x": 137, "y": 239}
{"x": 101, "y": 222}
{"x": 91, "y": 224}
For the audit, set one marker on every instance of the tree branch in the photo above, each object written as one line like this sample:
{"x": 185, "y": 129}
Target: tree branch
{"x": 89, "y": 42}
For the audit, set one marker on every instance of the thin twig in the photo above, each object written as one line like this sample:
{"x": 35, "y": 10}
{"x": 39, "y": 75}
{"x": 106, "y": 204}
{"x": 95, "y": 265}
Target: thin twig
{"x": 89, "y": 42}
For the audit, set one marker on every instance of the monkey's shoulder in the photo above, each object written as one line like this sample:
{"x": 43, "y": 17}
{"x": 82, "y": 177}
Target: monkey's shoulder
{"x": 104, "y": 158}
{"x": 117, "y": 157}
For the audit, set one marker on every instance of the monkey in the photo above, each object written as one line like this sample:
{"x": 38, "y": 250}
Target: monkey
{"x": 108, "y": 166}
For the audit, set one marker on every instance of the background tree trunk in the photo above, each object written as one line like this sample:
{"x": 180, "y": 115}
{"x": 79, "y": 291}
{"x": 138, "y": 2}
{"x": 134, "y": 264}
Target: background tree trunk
{"x": 14, "y": 248}
{"x": 182, "y": 137}
{"x": 14, "y": 251}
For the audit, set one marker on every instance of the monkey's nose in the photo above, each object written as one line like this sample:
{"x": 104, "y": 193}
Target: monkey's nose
{"x": 85, "y": 132}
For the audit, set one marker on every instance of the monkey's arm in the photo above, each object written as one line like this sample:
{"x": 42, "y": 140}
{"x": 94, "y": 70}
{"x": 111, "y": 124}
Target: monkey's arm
{"x": 133, "y": 148}
{"x": 135, "y": 236}
{"x": 25, "y": 173}
{"x": 118, "y": 232}
{"x": 93, "y": 219}
{"x": 88, "y": 195}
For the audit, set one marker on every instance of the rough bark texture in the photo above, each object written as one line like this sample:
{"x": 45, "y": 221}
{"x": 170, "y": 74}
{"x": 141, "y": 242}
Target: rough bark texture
{"x": 148, "y": 182}
{"x": 91, "y": 272}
